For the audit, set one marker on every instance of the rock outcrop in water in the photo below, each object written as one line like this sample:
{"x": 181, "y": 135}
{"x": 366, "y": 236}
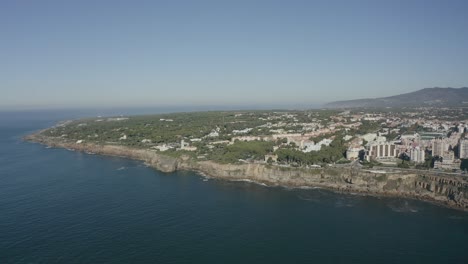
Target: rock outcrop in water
{"x": 445, "y": 189}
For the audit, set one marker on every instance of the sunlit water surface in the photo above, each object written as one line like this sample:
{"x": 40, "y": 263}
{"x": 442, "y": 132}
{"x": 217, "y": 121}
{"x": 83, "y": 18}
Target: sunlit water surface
{"x": 59, "y": 206}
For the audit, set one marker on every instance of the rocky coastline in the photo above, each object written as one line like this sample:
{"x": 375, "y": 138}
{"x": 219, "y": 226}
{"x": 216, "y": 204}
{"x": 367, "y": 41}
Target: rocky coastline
{"x": 443, "y": 189}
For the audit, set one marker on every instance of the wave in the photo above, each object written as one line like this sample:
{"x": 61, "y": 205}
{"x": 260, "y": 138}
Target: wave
{"x": 309, "y": 187}
{"x": 309, "y": 198}
{"x": 250, "y": 181}
{"x": 342, "y": 203}
{"x": 404, "y": 207}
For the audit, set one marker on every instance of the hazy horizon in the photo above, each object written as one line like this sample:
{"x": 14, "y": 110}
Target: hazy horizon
{"x": 183, "y": 107}
{"x": 267, "y": 54}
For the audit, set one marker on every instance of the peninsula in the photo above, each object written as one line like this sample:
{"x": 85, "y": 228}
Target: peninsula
{"x": 412, "y": 153}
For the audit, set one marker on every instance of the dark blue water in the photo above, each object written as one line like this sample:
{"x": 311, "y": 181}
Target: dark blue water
{"x": 58, "y": 206}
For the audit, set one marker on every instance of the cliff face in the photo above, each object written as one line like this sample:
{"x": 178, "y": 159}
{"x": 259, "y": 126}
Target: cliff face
{"x": 160, "y": 162}
{"x": 445, "y": 189}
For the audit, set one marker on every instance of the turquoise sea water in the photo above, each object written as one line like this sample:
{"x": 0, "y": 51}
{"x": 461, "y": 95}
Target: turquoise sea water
{"x": 59, "y": 206}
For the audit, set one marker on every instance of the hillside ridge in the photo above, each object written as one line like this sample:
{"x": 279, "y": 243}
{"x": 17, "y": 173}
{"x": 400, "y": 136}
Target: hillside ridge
{"x": 425, "y": 97}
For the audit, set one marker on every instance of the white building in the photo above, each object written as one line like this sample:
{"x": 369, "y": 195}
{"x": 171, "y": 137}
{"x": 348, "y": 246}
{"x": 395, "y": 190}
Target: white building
{"x": 369, "y": 137}
{"x": 461, "y": 128}
{"x": 310, "y": 146}
{"x": 417, "y": 155}
{"x": 353, "y": 153}
{"x": 464, "y": 149}
{"x": 438, "y": 147}
{"x": 448, "y": 156}
{"x": 242, "y": 131}
{"x": 381, "y": 139}
{"x": 182, "y": 144}
{"x": 163, "y": 147}
{"x": 412, "y": 137}
{"x": 213, "y": 133}
{"x": 382, "y": 150}
{"x": 447, "y": 165}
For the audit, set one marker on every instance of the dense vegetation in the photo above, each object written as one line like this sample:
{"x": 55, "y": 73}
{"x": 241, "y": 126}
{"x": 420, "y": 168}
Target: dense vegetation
{"x": 209, "y": 132}
{"x": 328, "y": 154}
{"x": 247, "y": 136}
{"x": 240, "y": 150}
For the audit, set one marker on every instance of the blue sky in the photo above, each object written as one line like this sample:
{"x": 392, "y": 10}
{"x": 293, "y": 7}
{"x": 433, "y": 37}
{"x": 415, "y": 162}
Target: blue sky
{"x": 57, "y": 54}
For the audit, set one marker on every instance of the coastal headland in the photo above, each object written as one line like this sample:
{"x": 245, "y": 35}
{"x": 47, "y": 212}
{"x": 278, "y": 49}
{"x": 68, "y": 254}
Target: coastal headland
{"x": 440, "y": 188}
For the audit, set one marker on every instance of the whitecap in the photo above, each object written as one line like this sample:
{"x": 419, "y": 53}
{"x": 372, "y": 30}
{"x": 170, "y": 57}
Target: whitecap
{"x": 402, "y": 208}
{"x": 308, "y": 198}
{"x": 250, "y": 181}
{"x": 309, "y": 187}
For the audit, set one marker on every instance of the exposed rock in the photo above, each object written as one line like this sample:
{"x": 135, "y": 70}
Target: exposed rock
{"x": 445, "y": 189}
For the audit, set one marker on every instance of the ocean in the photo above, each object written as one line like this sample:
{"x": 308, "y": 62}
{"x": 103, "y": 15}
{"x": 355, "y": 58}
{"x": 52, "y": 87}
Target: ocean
{"x": 60, "y": 206}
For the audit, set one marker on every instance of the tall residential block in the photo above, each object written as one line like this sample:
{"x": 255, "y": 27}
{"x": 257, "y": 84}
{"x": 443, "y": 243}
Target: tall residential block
{"x": 464, "y": 149}
{"x": 417, "y": 155}
{"x": 438, "y": 147}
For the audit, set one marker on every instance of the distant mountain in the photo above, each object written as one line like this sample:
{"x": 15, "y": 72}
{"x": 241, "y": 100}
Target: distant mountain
{"x": 425, "y": 97}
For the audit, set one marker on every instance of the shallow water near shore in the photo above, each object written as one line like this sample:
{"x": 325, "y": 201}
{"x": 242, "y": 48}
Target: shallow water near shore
{"x": 60, "y": 206}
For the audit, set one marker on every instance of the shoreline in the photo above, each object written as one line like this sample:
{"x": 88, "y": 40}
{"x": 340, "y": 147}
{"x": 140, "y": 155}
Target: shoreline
{"x": 437, "y": 189}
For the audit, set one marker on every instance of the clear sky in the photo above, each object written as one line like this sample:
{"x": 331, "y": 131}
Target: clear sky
{"x": 156, "y": 53}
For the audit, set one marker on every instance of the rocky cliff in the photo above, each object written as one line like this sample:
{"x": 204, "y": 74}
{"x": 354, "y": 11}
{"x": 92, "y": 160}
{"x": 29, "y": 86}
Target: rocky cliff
{"x": 445, "y": 189}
